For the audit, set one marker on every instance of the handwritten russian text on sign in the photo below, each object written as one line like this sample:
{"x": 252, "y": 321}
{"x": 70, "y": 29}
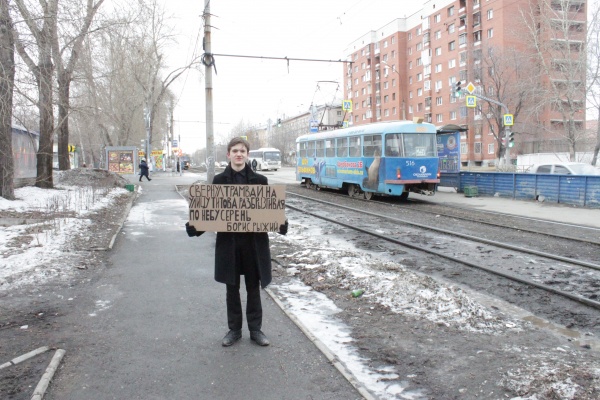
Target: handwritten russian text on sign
{"x": 237, "y": 208}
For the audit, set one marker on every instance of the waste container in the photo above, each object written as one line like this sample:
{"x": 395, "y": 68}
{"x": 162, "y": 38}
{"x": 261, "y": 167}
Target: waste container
{"x": 470, "y": 191}
{"x": 130, "y": 187}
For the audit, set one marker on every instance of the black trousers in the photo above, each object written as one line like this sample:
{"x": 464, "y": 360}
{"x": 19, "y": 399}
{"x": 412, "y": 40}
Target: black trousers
{"x": 246, "y": 267}
{"x": 253, "y": 306}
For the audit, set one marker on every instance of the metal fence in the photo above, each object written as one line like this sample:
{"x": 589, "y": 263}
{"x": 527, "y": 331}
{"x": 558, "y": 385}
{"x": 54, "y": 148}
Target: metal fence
{"x": 578, "y": 190}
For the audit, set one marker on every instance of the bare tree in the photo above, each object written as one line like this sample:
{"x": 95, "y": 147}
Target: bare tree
{"x": 557, "y": 40}
{"x": 7, "y": 76}
{"x": 507, "y": 77}
{"x": 72, "y": 39}
{"x": 40, "y": 26}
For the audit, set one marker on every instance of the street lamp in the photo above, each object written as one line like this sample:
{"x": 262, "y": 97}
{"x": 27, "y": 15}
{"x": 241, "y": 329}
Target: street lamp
{"x": 400, "y": 102}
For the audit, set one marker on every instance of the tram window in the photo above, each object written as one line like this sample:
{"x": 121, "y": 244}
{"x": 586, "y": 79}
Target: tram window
{"x": 419, "y": 145}
{"x": 329, "y": 148}
{"x": 342, "y": 147}
{"x": 354, "y": 147}
{"x": 393, "y": 145}
{"x": 302, "y": 149}
{"x": 372, "y": 145}
{"x": 320, "y": 148}
{"x": 310, "y": 152}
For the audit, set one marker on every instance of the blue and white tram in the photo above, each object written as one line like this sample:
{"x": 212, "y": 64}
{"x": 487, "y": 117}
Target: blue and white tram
{"x": 386, "y": 158}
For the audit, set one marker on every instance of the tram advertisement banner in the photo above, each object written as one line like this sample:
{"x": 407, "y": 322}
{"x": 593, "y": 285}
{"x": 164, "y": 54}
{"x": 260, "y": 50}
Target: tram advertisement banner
{"x": 237, "y": 208}
{"x": 448, "y": 147}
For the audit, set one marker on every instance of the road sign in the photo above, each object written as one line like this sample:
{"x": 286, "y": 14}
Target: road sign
{"x": 470, "y": 88}
{"x": 508, "y": 120}
{"x": 471, "y": 101}
{"x": 347, "y": 105}
{"x": 174, "y": 144}
{"x": 314, "y": 125}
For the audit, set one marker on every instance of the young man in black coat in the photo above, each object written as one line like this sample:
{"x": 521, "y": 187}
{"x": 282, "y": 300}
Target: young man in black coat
{"x": 239, "y": 254}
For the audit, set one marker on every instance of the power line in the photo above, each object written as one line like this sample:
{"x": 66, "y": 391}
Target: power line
{"x": 280, "y": 58}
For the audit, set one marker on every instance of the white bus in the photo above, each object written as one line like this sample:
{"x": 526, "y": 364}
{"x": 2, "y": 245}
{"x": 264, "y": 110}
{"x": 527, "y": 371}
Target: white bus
{"x": 266, "y": 158}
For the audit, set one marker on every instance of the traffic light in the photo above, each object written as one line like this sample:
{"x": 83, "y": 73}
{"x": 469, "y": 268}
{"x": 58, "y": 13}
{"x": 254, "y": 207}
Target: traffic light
{"x": 457, "y": 88}
{"x": 278, "y": 121}
{"x": 511, "y": 139}
{"x": 72, "y": 148}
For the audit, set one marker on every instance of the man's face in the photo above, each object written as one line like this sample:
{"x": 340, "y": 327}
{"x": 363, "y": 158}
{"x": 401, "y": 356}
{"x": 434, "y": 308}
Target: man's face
{"x": 238, "y": 155}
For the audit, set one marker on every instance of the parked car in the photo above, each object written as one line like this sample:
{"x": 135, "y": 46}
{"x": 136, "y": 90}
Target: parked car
{"x": 223, "y": 164}
{"x": 565, "y": 168}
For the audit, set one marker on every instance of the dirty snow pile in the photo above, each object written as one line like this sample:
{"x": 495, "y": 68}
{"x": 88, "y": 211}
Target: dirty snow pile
{"x": 34, "y": 251}
{"x": 390, "y": 284}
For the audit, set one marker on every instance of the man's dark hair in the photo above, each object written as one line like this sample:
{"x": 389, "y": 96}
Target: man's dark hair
{"x": 236, "y": 141}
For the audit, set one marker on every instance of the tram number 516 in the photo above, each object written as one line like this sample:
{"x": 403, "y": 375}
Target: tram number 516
{"x": 410, "y": 163}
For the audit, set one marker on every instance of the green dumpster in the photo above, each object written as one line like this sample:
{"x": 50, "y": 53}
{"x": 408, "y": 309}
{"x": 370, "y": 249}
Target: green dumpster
{"x": 130, "y": 187}
{"x": 470, "y": 191}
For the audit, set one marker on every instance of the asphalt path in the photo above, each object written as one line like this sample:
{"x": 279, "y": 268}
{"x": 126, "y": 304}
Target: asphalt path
{"x": 151, "y": 327}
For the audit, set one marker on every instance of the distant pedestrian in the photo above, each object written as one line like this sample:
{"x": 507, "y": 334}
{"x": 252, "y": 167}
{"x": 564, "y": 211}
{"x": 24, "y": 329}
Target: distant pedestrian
{"x": 242, "y": 253}
{"x": 144, "y": 170}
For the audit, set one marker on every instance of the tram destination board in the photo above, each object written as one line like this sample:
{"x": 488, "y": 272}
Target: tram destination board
{"x": 237, "y": 208}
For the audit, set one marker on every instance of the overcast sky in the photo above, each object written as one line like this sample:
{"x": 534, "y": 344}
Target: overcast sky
{"x": 256, "y": 90}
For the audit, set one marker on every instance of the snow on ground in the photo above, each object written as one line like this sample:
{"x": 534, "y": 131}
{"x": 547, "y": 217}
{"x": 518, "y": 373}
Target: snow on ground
{"x": 25, "y": 248}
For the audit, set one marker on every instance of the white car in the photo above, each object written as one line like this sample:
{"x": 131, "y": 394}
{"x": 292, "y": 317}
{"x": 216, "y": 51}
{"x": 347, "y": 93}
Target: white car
{"x": 565, "y": 168}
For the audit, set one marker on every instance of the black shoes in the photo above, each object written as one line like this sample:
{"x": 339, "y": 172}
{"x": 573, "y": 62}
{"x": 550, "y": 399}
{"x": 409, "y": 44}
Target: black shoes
{"x": 259, "y": 338}
{"x": 149, "y": 179}
{"x": 231, "y": 337}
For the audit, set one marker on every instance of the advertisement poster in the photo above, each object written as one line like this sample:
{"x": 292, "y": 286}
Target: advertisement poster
{"x": 448, "y": 147}
{"x": 120, "y": 161}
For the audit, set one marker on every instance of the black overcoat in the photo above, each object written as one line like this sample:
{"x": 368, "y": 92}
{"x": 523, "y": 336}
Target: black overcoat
{"x": 225, "y": 247}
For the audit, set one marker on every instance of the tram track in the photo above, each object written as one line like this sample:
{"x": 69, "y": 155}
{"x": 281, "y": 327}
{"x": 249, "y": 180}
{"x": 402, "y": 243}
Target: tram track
{"x": 579, "y": 288}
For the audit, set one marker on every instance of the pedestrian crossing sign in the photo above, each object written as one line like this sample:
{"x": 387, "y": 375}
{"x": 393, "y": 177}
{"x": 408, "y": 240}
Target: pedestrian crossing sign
{"x": 471, "y": 101}
{"x": 508, "y": 120}
{"x": 347, "y": 105}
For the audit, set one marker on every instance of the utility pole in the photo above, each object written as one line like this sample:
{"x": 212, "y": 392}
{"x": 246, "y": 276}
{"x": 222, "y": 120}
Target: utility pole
{"x": 208, "y": 62}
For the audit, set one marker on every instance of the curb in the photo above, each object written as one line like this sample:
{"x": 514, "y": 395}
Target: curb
{"x": 122, "y": 222}
{"x": 41, "y": 387}
{"x": 25, "y": 356}
{"x": 325, "y": 350}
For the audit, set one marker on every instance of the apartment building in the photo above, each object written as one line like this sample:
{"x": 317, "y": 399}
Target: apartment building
{"x": 409, "y": 68}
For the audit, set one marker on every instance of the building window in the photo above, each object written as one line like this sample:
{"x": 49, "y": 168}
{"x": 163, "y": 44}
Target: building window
{"x": 439, "y": 118}
{"x": 419, "y": 107}
{"x": 393, "y": 55}
{"x": 419, "y": 77}
{"x": 438, "y": 68}
{"x": 437, "y": 18}
{"x": 409, "y": 35}
{"x": 477, "y": 147}
{"x": 451, "y": 28}
{"x": 410, "y": 80}
{"x": 490, "y": 33}
{"x": 438, "y": 101}
{"x": 409, "y": 51}
{"x": 410, "y": 109}
{"x": 420, "y": 92}
{"x": 385, "y": 85}
{"x": 419, "y": 61}
{"x": 419, "y": 46}
{"x": 450, "y": 11}
{"x": 438, "y": 34}
{"x": 385, "y": 57}
{"x": 410, "y": 95}
{"x": 491, "y": 148}
{"x": 451, "y": 45}
{"x": 438, "y": 51}
{"x": 490, "y": 14}
{"x": 385, "y": 44}
{"x": 464, "y": 149}
{"x": 419, "y": 31}
{"x": 410, "y": 65}
{"x": 477, "y": 36}
{"x": 393, "y": 40}
{"x": 452, "y": 115}
{"x": 452, "y": 63}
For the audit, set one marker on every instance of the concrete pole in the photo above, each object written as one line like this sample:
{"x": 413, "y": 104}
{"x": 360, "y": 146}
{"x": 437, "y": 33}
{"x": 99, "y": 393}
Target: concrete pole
{"x": 208, "y": 64}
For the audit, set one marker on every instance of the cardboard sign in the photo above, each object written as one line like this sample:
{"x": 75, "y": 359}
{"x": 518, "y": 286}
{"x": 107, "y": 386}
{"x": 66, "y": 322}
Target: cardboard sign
{"x": 237, "y": 208}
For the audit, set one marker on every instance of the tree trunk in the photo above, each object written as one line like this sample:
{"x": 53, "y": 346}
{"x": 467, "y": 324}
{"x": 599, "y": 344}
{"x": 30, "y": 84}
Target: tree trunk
{"x": 7, "y": 78}
{"x": 64, "y": 89}
{"x": 597, "y": 147}
{"x": 46, "y": 150}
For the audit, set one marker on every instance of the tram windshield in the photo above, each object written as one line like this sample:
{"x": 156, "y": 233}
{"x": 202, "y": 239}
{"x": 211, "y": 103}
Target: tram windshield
{"x": 410, "y": 145}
